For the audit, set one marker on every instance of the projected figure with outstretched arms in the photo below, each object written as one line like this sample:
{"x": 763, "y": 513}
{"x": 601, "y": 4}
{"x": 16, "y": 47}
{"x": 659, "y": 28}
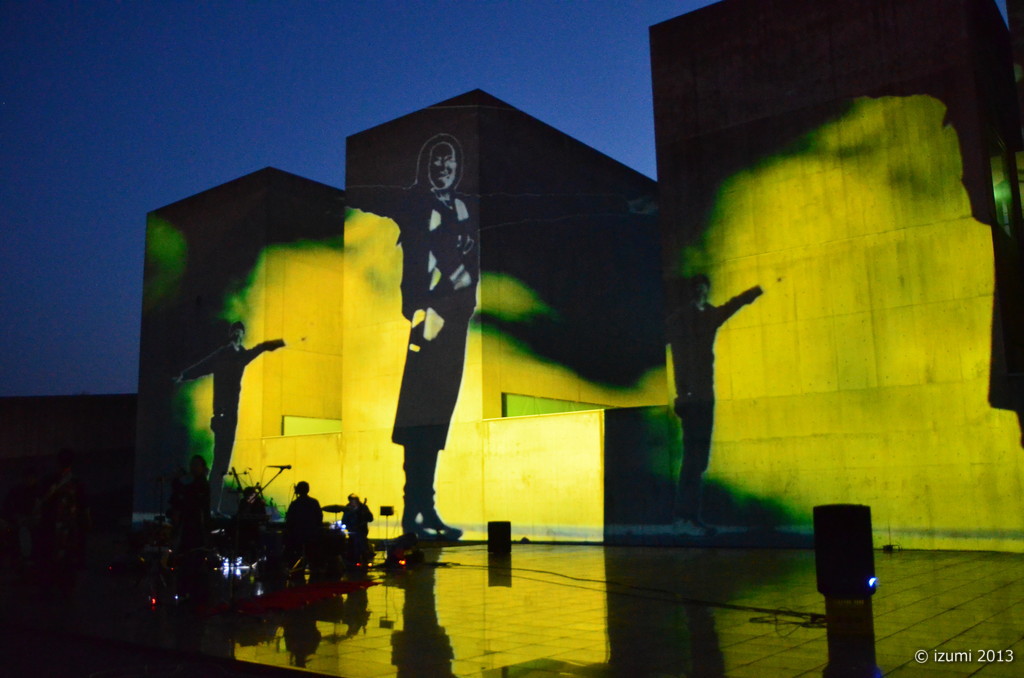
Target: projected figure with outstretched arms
{"x": 227, "y": 365}
{"x": 692, "y": 326}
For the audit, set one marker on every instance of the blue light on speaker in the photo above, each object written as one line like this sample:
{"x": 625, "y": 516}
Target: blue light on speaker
{"x": 873, "y": 583}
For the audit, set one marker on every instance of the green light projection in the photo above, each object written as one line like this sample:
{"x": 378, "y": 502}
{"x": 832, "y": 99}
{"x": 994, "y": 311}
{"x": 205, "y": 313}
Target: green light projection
{"x": 166, "y": 258}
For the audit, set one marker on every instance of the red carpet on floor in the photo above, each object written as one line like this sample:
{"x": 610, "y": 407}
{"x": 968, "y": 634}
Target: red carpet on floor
{"x": 293, "y": 598}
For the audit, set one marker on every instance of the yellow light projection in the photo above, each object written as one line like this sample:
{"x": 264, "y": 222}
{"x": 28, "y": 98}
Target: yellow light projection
{"x": 862, "y": 373}
{"x": 484, "y": 461}
{"x": 294, "y": 292}
{"x": 321, "y": 299}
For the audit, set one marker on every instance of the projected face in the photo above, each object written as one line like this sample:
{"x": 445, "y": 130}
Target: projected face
{"x": 442, "y": 166}
{"x": 237, "y": 334}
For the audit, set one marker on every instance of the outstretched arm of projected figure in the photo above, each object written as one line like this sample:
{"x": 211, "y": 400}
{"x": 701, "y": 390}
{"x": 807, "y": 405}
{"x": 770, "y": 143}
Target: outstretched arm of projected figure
{"x": 730, "y": 307}
{"x": 256, "y": 350}
{"x": 201, "y": 368}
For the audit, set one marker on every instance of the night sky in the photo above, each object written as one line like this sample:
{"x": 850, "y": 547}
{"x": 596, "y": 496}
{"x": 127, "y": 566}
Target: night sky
{"x": 110, "y": 110}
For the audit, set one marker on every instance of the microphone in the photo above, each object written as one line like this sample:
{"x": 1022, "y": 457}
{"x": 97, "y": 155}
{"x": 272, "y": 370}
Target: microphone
{"x": 285, "y": 467}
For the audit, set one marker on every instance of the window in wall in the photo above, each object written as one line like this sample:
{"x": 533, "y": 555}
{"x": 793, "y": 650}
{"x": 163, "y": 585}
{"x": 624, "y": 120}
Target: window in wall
{"x": 515, "y": 405}
{"x": 304, "y": 426}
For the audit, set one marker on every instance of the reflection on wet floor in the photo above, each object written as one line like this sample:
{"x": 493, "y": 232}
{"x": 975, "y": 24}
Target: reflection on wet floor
{"x": 549, "y": 610}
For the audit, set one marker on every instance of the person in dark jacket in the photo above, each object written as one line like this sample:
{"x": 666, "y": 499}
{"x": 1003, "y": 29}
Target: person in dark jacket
{"x": 190, "y": 521}
{"x": 63, "y": 522}
{"x": 302, "y": 527}
{"x": 357, "y": 518}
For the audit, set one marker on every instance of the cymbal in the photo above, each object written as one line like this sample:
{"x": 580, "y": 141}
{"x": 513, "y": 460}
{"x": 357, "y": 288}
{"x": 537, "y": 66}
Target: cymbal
{"x": 333, "y": 508}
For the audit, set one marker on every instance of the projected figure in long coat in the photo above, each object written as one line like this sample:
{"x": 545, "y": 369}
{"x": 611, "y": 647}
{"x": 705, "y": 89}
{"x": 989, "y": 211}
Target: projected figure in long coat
{"x": 439, "y": 234}
{"x": 440, "y": 272}
{"x": 227, "y": 365}
{"x": 692, "y": 327}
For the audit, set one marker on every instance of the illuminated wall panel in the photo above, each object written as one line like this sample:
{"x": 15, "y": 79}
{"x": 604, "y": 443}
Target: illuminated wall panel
{"x": 317, "y": 459}
{"x": 545, "y": 474}
{"x": 300, "y": 426}
{"x": 840, "y": 208}
{"x": 287, "y": 295}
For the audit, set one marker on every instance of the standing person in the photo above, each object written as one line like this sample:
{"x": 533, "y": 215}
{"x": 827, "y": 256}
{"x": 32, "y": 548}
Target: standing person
{"x": 692, "y": 327}
{"x": 357, "y": 518}
{"x": 190, "y": 506}
{"x": 64, "y": 521}
{"x": 18, "y": 510}
{"x": 227, "y": 365}
{"x": 190, "y": 522}
{"x": 302, "y": 525}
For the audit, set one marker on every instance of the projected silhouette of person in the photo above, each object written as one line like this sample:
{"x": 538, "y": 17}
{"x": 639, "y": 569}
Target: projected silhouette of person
{"x": 692, "y": 327}
{"x": 227, "y": 365}
{"x": 440, "y": 271}
{"x": 439, "y": 229}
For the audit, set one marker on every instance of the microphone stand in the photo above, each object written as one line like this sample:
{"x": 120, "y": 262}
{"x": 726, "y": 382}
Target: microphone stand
{"x": 280, "y": 470}
{"x": 260, "y": 489}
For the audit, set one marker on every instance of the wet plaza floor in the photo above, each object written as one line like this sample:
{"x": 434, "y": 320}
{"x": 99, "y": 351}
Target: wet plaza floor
{"x": 545, "y": 610}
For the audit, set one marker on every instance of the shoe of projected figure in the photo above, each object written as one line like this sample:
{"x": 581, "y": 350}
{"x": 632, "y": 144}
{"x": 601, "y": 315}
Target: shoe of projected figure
{"x": 426, "y": 524}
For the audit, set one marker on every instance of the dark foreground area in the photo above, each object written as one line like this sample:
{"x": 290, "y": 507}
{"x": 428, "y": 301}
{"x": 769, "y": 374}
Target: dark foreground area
{"x": 544, "y": 610}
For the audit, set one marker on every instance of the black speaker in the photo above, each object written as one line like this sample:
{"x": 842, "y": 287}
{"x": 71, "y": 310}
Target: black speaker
{"x": 499, "y": 536}
{"x": 843, "y": 554}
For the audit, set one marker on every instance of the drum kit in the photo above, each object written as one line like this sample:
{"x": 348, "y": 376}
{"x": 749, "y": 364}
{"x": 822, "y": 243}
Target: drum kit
{"x": 330, "y": 555}
{"x": 250, "y": 542}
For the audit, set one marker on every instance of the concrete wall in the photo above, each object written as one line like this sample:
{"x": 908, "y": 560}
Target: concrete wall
{"x": 839, "y": 155}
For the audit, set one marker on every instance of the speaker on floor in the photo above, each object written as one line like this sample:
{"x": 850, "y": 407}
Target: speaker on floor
{"x": 499, "y": 536}
{"x": 843, "y": 554}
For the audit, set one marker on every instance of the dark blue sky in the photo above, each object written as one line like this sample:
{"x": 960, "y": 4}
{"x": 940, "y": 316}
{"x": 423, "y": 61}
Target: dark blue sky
{"x": 109, "y": 110}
